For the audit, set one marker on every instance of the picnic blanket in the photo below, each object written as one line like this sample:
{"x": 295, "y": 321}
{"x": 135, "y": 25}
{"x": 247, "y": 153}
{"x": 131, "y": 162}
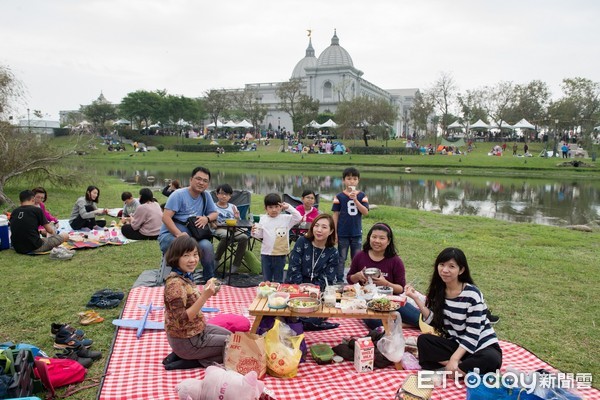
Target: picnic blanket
{"x": 135, "y": 371}
{"x": 92, "y": 238}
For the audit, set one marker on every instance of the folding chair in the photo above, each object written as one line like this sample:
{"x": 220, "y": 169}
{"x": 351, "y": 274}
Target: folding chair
{"x": 241, "y": 199}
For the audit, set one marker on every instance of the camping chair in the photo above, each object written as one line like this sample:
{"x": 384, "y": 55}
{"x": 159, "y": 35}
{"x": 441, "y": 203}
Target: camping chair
{"x": 241, "y": 199}
{"x": 295, "y": 201}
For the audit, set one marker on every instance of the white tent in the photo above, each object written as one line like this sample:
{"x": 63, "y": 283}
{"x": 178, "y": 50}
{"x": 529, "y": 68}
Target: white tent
{"x": 501, "y": 125}
{"x": 523, "y": 124}
{"x": 479, "y": 125}
{"x": 245, "y": 124}
{"x": 212, "y": 124}
{"x": 231, "y": 124}
{"x": 182, "y": 122}
{"x": 455, "y": 125}
{"x": 597, "y": 128}
{"x": 122, "y": 121}
{"x": 312, "y": 124}
{"x": 328, "y": 124}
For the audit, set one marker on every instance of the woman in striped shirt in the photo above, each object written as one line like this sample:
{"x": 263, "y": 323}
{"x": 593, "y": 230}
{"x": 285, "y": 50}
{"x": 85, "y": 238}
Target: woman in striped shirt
{"x": 456, "y": 310}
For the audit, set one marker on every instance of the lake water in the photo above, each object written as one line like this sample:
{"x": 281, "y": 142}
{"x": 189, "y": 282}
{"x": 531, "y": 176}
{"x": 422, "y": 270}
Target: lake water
{"x": 548, "y": 202}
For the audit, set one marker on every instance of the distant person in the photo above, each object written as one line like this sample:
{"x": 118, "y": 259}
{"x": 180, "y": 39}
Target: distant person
{"x": 348, "y": 208}
{"x": 40, "y": 197}
{"x": 525, "y": 148}
{"x": 24, "y": 222}
{"x": 184, "y": 203}
{"x": 565, "y": 150}
{"x": 273, "y": 228}
{"x": 366, "y": 136}
{"x": 86, "y": 209}
{"x": 172, "y": 186}
{"x": 146, "y": 222}
{"x": 228, "y": 210}
{"x": 515, "y": 149}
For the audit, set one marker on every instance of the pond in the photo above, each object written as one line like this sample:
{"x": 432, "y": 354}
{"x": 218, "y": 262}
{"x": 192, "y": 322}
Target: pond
{"x": 541, "y": 201}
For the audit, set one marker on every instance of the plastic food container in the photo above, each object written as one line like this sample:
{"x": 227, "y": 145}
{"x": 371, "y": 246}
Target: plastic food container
{"x": 322, "y": 353}
{"x": 278, "y": 300}
{"x": 304, "y": 305}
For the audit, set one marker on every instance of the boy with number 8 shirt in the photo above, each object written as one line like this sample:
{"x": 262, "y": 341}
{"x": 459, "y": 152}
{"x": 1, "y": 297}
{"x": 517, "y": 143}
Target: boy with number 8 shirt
{"x": 348, "y": 208}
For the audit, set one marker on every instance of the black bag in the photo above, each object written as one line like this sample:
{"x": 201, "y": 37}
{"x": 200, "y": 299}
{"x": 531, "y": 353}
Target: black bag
{"x": 199, "y": 233}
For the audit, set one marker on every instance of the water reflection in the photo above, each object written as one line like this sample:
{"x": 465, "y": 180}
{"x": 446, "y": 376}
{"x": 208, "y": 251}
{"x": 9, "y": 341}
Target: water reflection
{"x": 537, "y": 201}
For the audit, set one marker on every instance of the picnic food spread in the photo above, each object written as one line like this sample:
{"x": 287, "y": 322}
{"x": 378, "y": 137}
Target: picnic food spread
{"x": 383, "y": 304}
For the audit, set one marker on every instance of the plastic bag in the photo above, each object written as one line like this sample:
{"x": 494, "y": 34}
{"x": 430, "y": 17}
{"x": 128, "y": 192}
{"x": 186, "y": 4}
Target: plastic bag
{"x": 283, "y": 350}
{"x": 392, "y": 344}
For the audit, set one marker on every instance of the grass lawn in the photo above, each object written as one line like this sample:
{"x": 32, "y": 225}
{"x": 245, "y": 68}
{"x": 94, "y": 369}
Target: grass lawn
{"x": 541, "y": 280}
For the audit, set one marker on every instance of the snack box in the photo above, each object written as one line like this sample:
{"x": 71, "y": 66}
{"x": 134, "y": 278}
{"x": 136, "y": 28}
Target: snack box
{"x": 322, "y": 353}
{"x": 310, "y": 290}
{"x": 400, "y": 299}
{"x": 264, "y": 289}
{"x": 292, "y": 289}
{"x": 354, "y": 306}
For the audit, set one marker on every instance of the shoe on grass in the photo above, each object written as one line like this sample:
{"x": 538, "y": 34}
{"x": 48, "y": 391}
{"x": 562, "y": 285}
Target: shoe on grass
{"x": 89, "y": 317}
{"x": 71, "y": 354}
{"x": 109, "y": 294}
{"x": 66, "y": 340}
{"x": 103, "y": 303}
{"x": 60, "y": 253}
{"x": 55, "y": 328}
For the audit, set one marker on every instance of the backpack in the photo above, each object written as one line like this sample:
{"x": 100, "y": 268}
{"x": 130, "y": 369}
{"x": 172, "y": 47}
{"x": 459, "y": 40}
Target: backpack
{"x": 57, "y": 372}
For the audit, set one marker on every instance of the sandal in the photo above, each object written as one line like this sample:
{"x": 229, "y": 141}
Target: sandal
{"x": 89, "y": 317}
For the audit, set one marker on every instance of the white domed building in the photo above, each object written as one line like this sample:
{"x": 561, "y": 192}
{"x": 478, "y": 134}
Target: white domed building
{"x": 332, "y": 78}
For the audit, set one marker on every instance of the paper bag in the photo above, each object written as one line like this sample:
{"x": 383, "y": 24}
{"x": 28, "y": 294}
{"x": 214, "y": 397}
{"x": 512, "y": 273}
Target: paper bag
{"x": 245, "y": 352}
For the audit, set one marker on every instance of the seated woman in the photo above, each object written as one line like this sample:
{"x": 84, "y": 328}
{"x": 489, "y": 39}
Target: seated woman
{"x": 147, "y": 220}
{"x": 456, "y": 309}
{"x": 40, "y": 197}
{"x": 379, "y": 251}
{"x": 85, "y": 210}
{"x": 171, "y": 187}
{"x": 306, "y": 209}
{"x": 315, "y": 256}
{"x": 193, "y": 341}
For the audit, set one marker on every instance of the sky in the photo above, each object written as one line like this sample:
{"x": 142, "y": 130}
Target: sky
{"x": 67, "y": 52}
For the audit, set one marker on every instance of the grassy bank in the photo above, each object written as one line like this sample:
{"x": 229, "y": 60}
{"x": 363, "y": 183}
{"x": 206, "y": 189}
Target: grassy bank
{"x": 541, "y": 280}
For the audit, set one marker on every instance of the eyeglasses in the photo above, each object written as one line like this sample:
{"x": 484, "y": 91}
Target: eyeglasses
{"x": 203, "y": 180}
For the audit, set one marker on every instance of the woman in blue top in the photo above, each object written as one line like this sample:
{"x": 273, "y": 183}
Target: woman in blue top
{"x": 455, "y": 308}
{"x": 314, "y": 256}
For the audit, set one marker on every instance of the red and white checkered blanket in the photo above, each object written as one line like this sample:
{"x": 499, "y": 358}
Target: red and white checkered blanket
{"x": 135, "y": 370}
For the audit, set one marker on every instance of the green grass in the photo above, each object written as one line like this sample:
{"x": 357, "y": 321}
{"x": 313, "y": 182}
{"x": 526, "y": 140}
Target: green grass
{"x": 541, "y": 280}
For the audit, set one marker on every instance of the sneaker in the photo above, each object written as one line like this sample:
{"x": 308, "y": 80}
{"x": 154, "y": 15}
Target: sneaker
{"x": 72, "y": 355}
{"x": 492, "y": 318}
{"x": 55, "y": 328}
{"x": 87, "y": 353}
{"x": 103, "y": 303}
{"x": 67, "y": 340}
{"x": 59, "y": 253}
{"x": 109, "y": 294}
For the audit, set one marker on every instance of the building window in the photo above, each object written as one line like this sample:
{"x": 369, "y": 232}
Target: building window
{"x": 327, "y": 90}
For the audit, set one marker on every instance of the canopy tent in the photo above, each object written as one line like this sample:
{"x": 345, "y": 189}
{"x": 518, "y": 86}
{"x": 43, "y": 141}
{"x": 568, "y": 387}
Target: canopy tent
{"x": 122, "y": 121}
{"x": 230, "y": 124}
{"x": 312, "y": 124}
{"x": 479, "y": 125}
{"x": 501, "y": 125}
{"x": 328, "y": 124}
{"x": 245, "y": 124}
{"x": 597, "y": 128}
{"x": 182, "y": 122}
{"x": 212, "y": 124}
{"x": 84, "y": 123}
{"x": 459, "y": 143}
{"x": 455, "y": 125}
{"x": 524, "y": 124}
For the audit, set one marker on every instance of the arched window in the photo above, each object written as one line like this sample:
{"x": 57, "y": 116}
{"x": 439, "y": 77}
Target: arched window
{"x": 327, "y": 90}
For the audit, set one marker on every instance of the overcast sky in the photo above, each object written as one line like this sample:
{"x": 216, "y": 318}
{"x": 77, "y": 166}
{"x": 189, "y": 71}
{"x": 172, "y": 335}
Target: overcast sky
{"x": 68, "y": 51}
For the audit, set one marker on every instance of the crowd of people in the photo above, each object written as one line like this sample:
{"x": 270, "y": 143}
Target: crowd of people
{"x": 453, "y": 305}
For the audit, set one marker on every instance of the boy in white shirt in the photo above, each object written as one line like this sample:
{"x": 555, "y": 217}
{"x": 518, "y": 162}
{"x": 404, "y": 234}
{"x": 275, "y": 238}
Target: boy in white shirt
{"x": 274, "y": 228}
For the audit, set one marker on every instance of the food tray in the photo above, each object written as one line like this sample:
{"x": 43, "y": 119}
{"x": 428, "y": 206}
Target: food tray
{"x": 304, "y": 309}
{"x": 292, "y": 289}
{"x": 393, "y": 307}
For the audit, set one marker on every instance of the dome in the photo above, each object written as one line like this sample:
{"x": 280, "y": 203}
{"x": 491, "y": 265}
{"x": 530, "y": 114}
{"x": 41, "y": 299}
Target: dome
{"x": 335, "y": 55}
{"x": 307, "y": 62}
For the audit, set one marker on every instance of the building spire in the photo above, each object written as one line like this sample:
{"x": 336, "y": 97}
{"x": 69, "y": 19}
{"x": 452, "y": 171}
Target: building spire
{"x": 335, "y": 41}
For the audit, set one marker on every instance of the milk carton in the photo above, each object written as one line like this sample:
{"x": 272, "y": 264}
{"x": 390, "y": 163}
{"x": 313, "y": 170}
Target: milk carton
{"x": 364, "y": 354}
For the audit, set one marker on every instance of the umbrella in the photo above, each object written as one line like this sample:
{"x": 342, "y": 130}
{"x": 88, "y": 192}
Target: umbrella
{"x": 523, "y": 124}
{"x": 245, "y": 124}
{"x": 328, "y": 124}
{"x": 479, "y": 125}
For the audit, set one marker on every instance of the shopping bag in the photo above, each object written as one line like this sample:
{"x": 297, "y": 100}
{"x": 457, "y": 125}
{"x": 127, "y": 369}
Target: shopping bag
{"x": 245, "y": 352}
{"x": 283, "y": 350}
{"x": 392, "y": 344}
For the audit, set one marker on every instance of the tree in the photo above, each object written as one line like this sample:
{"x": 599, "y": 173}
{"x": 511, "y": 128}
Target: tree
{"x": 442, "y": 94}
{"x": 421, "y": 110}
{"x": 24, "y": 154}
{"x": 216, "y": 102}
{"x": 248, "y": 106}
{"x": 532, "y": 101}
{"x": 471, "y": 105}
{"x": 99, "y": 112}
{"x": 141, "y": 106}
{"x": 289, "y": 97}
{"x": 376, "y": 113}
{"x": 498, "y": 100}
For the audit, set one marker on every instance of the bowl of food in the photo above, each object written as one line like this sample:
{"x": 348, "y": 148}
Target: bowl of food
{"x": 383, "y": 305}
{"x": 278, "y": 300}
{"x": 303, "y": 305}
{"x": 372, "y": 272}
{"x": 231, "y": 221}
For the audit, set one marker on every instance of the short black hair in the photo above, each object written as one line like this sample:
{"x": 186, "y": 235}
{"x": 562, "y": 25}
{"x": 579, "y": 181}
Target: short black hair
{"x": 272, "y": 199}
{"x": 225, "y": 188}
{"x": 307, "y": 192}
{"x": 146, "y": 195}
{"x": 201, "y": 169}
{"x": 26, "y": 195}
{"x": 126, "y": 195}
{"x": 350, "y": 171}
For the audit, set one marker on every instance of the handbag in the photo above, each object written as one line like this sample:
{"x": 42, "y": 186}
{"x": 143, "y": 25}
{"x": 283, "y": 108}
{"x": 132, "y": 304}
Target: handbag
{"x": 199, "y": 233}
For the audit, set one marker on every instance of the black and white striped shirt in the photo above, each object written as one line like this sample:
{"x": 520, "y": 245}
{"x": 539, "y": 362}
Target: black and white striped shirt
{"x": 466, "y": 322}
